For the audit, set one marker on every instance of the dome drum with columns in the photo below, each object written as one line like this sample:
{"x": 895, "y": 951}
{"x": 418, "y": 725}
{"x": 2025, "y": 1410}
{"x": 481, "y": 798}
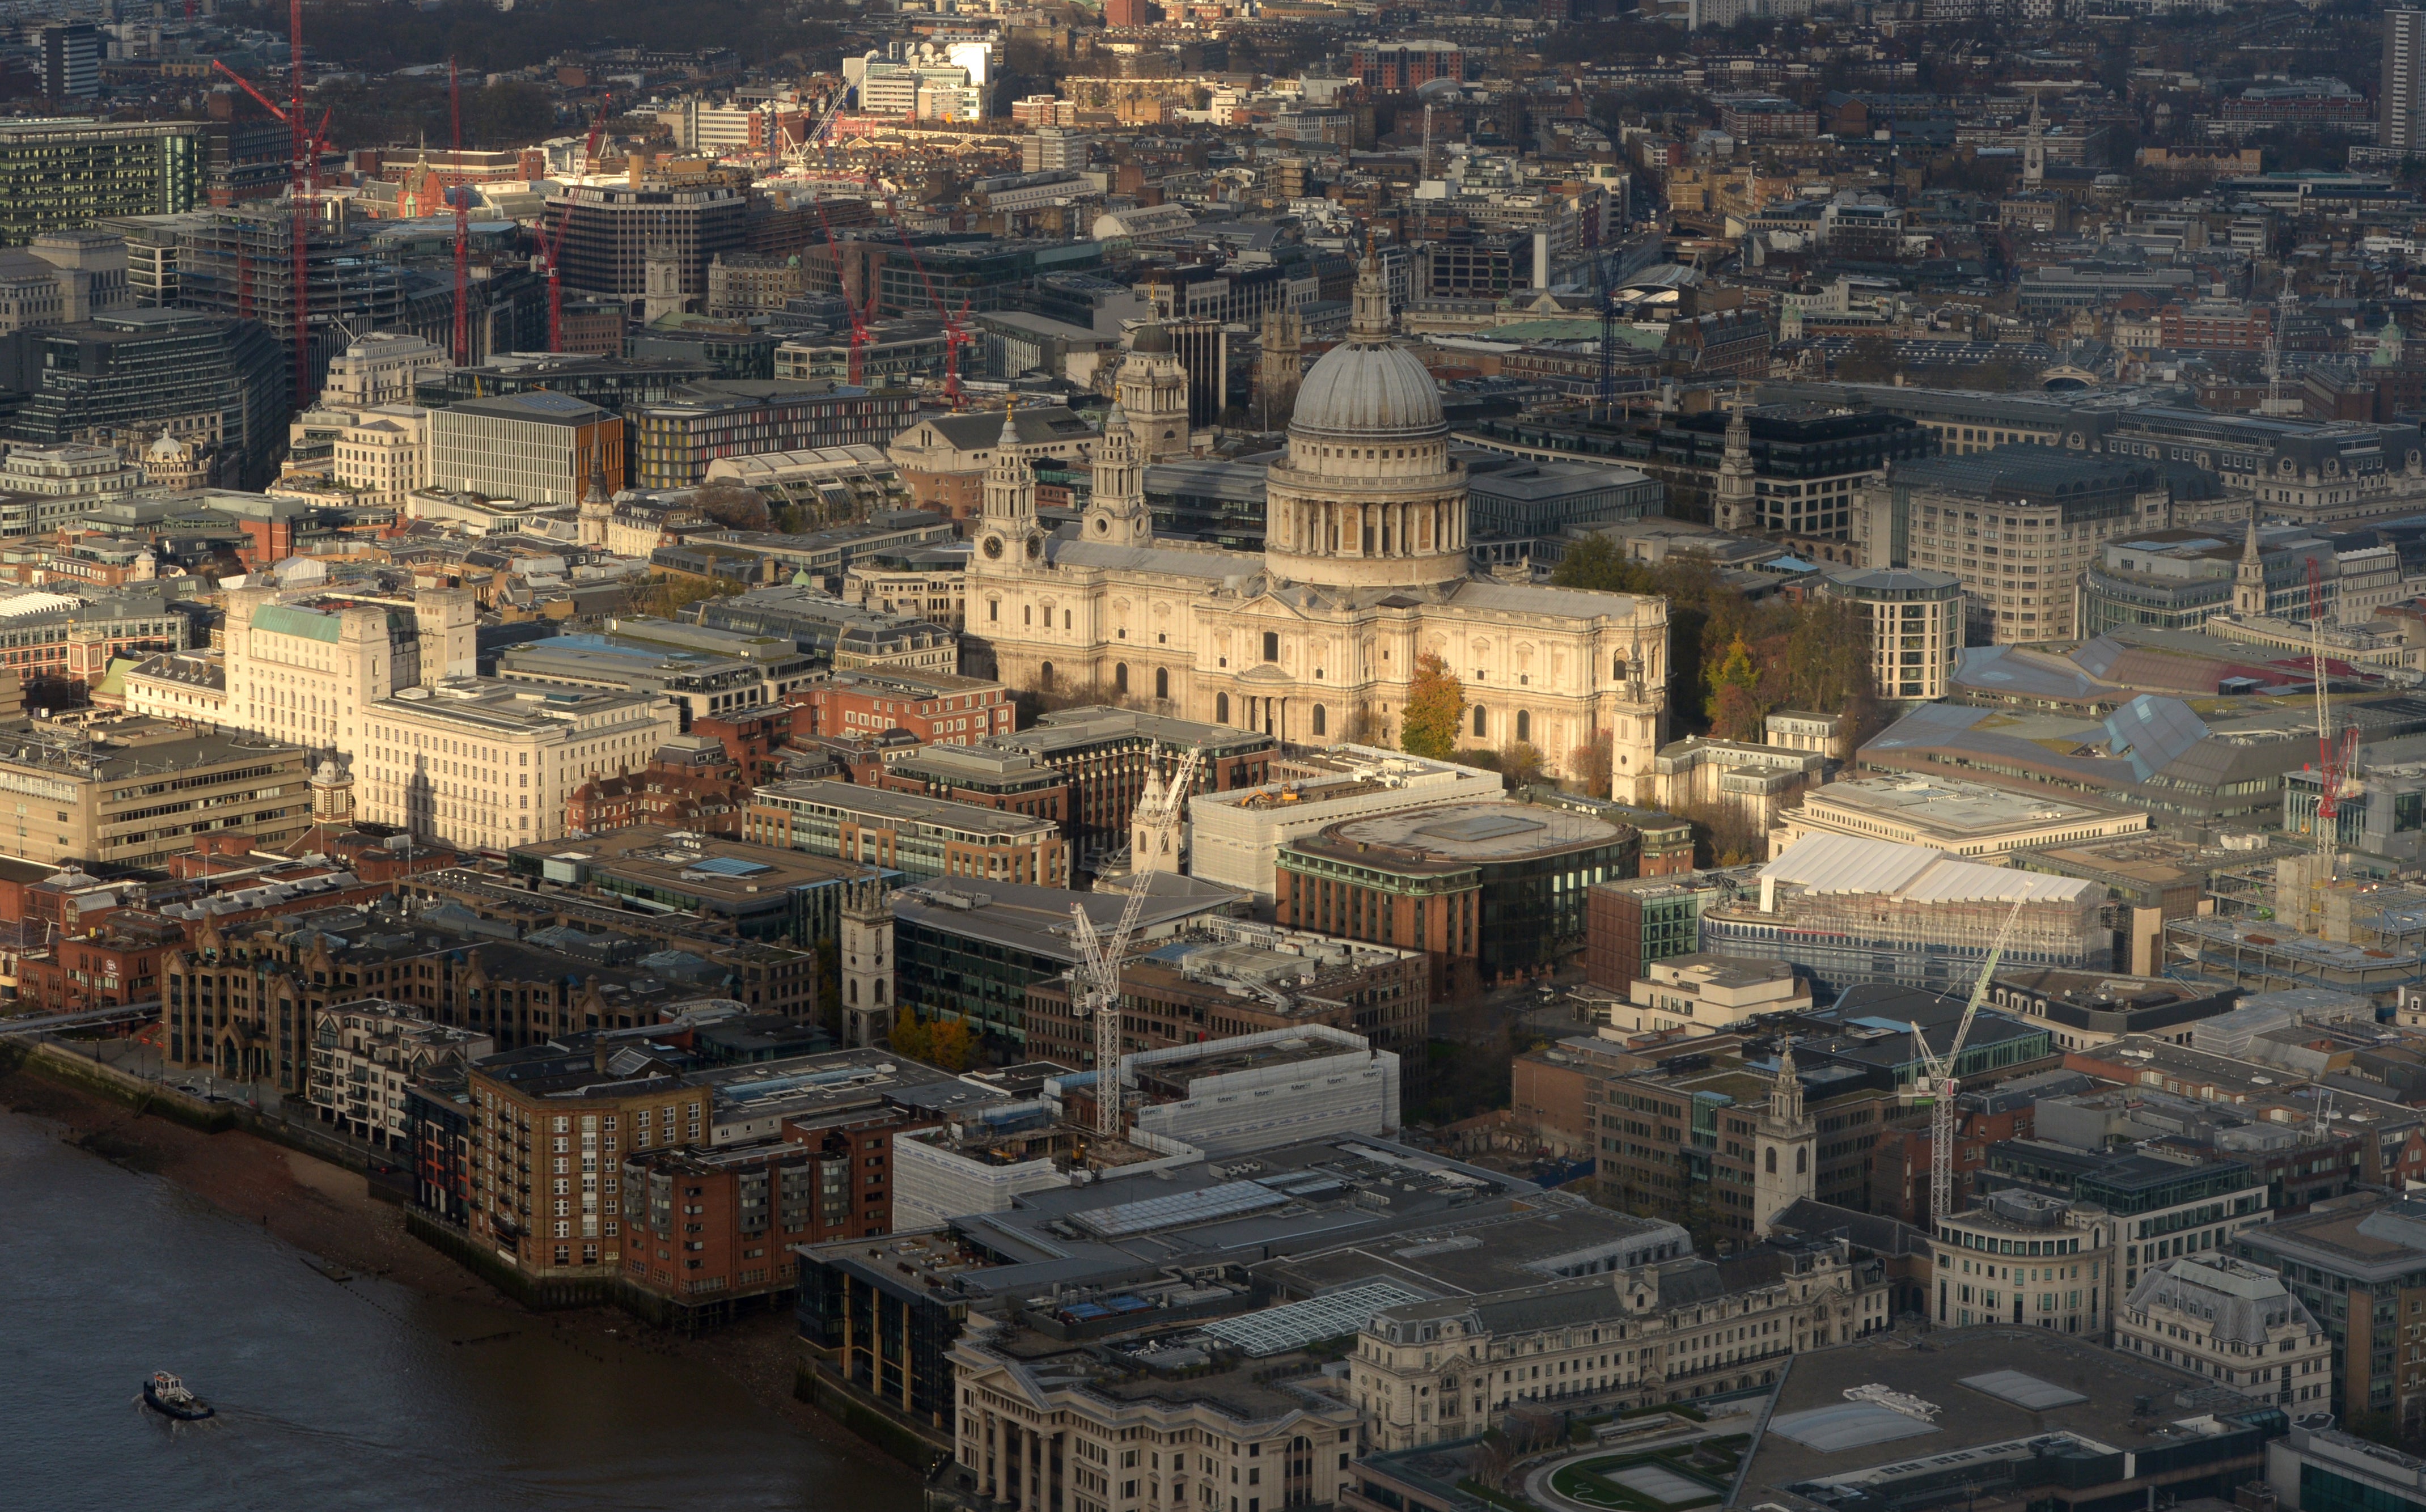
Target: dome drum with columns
{"x": 1368, "y": 494}
{"x": 1366, "y": 571}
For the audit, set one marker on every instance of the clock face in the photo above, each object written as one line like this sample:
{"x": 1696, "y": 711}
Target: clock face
{"x": 1035, "y": 548}
{"x": 993, "y": 547}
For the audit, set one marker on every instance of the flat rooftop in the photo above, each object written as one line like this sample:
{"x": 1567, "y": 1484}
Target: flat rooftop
{"x": 730, "y": 870}
{"x": 1035, "y": 922}
{"x": 1246, "y": 1210}
{"x": 1967, "y": 1392}
{"x": 2361, "y": 1236}
{"x": 491, "y": 703}
{"x": 1957, "y": 810}
{"x": 1171, "y": 1078}
{"x": 108, "y": 761}
{"x": 909, "y": 808}
{"x": 1476, "y": 833}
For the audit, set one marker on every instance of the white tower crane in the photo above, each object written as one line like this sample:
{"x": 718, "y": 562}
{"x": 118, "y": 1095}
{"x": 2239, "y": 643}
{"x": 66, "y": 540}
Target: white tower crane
{"x": 1937, "y": 1074}
{"x": 1096, "y": 984}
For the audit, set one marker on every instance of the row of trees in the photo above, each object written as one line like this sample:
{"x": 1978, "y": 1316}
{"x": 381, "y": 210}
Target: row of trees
{"x": 1733, "y": 662}
{"x": 938, "y": 1041}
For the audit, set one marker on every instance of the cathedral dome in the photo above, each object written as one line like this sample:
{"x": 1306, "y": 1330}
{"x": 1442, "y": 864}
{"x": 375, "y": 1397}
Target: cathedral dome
{"x": 1151, "y": 338}
{"x": 1361, "y": 390}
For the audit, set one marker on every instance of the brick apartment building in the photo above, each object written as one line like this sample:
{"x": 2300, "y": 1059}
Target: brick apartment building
{"x": 706, "y": 1232}
{"x": 707, "y": 800}
{"x": 2215, "y": 325}
{"x": 938, "y": 708}
{"x": 117, "y": 962}
{"x": 589, "y": 1156}
{"x": 1387, "y": 67}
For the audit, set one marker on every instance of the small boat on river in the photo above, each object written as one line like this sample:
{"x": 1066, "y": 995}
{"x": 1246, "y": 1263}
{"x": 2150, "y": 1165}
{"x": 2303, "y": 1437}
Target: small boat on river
{"x": 169, "y": 1396}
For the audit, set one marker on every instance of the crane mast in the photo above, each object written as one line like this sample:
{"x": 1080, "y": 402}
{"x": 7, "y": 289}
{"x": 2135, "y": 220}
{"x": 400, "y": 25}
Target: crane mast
{"x": 1096, "y": 986}
{"x": 1937, "y": 1074}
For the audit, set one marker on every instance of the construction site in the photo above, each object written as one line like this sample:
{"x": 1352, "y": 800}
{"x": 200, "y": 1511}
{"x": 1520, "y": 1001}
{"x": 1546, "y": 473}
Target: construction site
{"x": 1849, "y": 911}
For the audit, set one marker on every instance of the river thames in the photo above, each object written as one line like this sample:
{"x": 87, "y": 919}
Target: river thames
{"x": 361, "y": 1395}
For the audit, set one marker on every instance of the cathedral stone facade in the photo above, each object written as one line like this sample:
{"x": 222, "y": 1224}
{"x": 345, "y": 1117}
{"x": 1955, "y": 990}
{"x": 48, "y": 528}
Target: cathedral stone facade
{"x": 1316, "y": 639}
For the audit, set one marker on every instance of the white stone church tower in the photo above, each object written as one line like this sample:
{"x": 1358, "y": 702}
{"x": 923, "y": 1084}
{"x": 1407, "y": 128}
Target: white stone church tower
{"x": 1785, "y": 1147}
{"x": 866, "y": 938}
{"x": 1152, "y": 389}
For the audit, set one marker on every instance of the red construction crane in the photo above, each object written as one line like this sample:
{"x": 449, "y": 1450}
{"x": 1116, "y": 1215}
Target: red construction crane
{"x": 858, "y": 322}
{"x": 552, "y": 243}
{"x": 2336, "y": 753}
{"x": 955, "y": 335}
{"x": 459, "y": 194}
{"x": 303, "y": 188}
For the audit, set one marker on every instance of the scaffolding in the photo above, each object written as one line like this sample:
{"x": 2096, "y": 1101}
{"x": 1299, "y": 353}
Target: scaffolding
{"x": 1844, "y": 938}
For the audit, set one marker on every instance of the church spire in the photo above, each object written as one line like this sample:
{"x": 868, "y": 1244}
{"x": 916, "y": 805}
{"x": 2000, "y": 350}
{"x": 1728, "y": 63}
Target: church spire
{"x": 2249, "y": 578}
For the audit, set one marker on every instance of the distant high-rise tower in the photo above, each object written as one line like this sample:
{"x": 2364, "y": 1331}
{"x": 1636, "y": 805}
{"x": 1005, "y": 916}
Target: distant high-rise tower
{"x": 70, "y": 53}
{"x": 2404, "y": 101}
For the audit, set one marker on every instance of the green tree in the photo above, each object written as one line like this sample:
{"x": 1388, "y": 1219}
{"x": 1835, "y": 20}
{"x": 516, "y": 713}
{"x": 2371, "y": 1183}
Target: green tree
{"x": 1520, "y": 764}
{"x": 1736, "y": 673}
{"x": 1592, "y": 766}
{"x": 949, "y": 1043}
{"x": 910, "y": 1037}
{"x": 1435, "y": 704}
{"x": 1598, "y": 562}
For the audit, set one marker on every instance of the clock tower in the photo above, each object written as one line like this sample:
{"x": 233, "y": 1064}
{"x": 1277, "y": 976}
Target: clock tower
{"x": 1008, "y": 535}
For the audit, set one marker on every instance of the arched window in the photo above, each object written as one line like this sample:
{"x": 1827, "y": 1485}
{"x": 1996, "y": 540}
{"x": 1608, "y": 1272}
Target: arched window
{"x": 1801, "y": 1160}
{"x": 1524, "y": 724}
{"x": 1162, "y": 682}
{"x": 879, "y": 992}
{"x": 1221, "y": 708}
{"x": 1119, "y": 677}
{"x": 1318, "y": 720}
{"x": 854, "y": 991}
{"x": 1481, "y": 725}
{"x": 1772, "y": 1155}
{"x": 1044, "y": 678}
